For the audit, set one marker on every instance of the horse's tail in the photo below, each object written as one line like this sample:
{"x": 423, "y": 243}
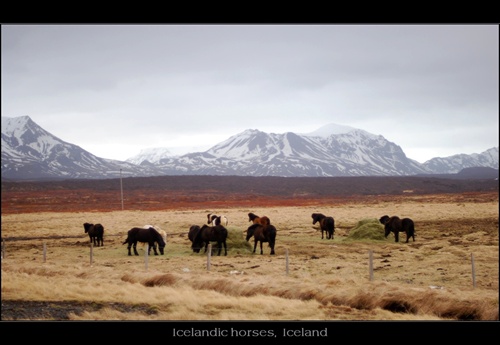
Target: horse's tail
{"x": 408, "y": 226}
{"x": 271, "y": 230}
{"x": 330, "y": 223}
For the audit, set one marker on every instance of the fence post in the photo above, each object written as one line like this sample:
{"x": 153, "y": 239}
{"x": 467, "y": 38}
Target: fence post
{"x": 91, "y": 253}
{"x": 146, "y": 256}
{"x": 371, "y": 264}
{"x": 286, "y": 257}
{"x": 44, "y": 251}
{"x": 473, "y": 271}
{"x": 209, "y": 255}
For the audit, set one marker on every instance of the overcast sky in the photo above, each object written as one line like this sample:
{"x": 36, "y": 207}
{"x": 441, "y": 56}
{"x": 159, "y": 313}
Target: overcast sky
{"x": 116, "y": 89}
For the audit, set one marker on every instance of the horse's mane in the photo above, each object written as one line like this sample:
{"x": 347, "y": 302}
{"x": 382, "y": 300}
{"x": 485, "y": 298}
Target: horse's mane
{"x": 252, "y": 216}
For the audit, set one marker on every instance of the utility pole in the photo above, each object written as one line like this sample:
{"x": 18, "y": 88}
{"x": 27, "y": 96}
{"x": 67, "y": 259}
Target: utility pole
{"x": 121, "y": 187}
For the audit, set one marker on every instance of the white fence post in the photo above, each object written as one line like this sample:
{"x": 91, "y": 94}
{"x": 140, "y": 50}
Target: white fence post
{"x": 91, "y": 253}
{"x": 371, "y": 264}
{"x": 286, "y": 260}
{"x": 209, "y": 255}
{"x": 473, "y": 271}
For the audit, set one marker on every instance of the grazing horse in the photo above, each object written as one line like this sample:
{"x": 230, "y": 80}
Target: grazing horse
{"x": 396, "y": 225}
{"x": 96, "y": 233}
{"x": 157, "y": 228}
{"x": 252, "y": 217}
{"x": 207, "y": 234}
{"x": 326, "y": 223}
{"x": 262, "y": 233}
{"x": 214, "y": 220}
{"x": 149, "y": 236}
{"x": 194, "y": 230}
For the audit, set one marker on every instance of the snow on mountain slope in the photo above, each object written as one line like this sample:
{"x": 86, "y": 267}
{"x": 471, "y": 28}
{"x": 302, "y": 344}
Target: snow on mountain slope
{"x": 30, "y": 152}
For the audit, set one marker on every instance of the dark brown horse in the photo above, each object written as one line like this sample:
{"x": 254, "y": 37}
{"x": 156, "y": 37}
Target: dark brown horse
{"x": 262, "y": 233}
{"x": 207, "y": 234}
{"x": 252, "y": 217}
{"x": 96, "y": 233}
{"x": 326, "y": 223}
{"x": 149, "y": 236}
{"x": 396, "y": 225}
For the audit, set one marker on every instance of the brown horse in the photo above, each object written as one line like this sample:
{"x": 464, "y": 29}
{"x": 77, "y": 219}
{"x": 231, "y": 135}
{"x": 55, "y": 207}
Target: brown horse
{"x": 252, "y": 217}
{"x": 262, "y": 233}
{"x": 326, "y": 223}
{"x": 396, "y": 225}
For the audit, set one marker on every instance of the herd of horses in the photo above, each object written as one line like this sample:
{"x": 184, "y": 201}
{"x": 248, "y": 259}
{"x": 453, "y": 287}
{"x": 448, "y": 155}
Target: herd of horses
{"x": 215, "y": 230}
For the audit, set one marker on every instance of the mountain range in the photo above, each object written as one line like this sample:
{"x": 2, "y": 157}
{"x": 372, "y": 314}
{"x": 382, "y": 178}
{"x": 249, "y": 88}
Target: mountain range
{"x": 31, "y": 153}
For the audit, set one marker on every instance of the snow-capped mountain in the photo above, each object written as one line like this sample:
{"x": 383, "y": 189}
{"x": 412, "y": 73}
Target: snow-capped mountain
{"x": 255, "y": 153}
{"x": 456, "y": 163}
{"x": 29, "y": 152}
{"x": 151, "y": 155}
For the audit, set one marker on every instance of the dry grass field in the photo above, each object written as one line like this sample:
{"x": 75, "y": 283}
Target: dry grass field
{"x": 451, "y": 271}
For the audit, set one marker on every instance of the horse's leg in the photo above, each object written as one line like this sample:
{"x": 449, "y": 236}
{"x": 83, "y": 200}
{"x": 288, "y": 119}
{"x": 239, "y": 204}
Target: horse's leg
{"x": 225, "y": 248}
{"x": 254, "y": 246}
{"x": 128, "y": 247}
{"x": 219, "y": 246}
{"x": 135, "y": 248}
{"x": 261, "y": 251}
{"x": 154, "y": 247}
{"x": 271, "y": 244}
{"x": 321, "y": 233}
{"x": 396, "y": 235}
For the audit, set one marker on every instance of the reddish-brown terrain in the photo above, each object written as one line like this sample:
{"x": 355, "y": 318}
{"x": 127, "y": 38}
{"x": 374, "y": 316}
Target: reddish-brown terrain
{"x": 186, "y": 192}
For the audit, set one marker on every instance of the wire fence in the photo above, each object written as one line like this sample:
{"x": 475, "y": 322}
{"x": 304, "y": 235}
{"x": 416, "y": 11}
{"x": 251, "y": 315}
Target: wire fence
{"x": 210, "y": 251}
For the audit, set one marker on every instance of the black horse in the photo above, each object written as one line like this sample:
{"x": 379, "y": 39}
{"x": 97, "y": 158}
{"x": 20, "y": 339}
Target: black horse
{"x": 206, "y": 234}
{"x": 396, "y": 225}
{"x": 326, "y": 223}
{"x": 150, "y": 236}
{"x": 96, "y": 233}
{"x": 194, "y": 230}
{"x": 262, "y": 233}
